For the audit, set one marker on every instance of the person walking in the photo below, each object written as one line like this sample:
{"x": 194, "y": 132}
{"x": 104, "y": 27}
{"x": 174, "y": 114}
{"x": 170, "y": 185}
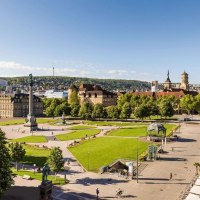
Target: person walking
{"x": 97, "y": 192}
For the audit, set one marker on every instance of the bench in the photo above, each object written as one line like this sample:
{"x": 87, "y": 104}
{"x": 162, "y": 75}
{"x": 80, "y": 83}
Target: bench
{"x": 27, "y": 177}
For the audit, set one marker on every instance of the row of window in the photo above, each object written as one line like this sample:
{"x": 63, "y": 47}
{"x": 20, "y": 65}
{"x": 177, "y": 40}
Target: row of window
{"x": 95, "y": 95}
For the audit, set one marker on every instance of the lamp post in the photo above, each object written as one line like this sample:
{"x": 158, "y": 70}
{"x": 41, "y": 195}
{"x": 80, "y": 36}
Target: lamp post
{"x": 88, "y": 160}
{"x": 34, "y": 165}
{"x": 137, "y": 161}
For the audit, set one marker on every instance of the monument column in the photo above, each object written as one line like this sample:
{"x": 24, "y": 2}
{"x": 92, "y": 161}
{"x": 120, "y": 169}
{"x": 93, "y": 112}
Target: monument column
{"x": 31, "y": 120}
{"x": 30, "y": 99}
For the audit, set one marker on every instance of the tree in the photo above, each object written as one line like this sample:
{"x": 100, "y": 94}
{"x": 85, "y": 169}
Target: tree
{"x": 86, "y": 110}
{"x": 166, "y": 109}
{"x": 126, "y": 111}
{"x": 75, "y": 110}
{"x": 113, "y": 112}
{"x": 6, "y": 176}
{"x": 49, "y": 112}
{"x": 98, "y": 111}
{"x": 62, "y": 108}
{"x": 55, "y": 160}
{"x": 73, "y": 98}
{"x": 17, "y": 152}
{"x": 125, "y": 98}
{"x": 188, "y": 103}
{"x": 141, "y": 112}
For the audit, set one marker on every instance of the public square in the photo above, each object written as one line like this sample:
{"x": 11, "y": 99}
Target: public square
{"x": 154, "y": 176}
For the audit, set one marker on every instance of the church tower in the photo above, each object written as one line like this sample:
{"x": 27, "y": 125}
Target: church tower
{"x": 184, "y": 81}
{"x": 167, "y": 84}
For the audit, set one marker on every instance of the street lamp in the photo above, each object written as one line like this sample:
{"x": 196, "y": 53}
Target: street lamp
{"x": 137, "y": 161}
{"x": 34, "y": 165}
{"x": 88, "y": 160}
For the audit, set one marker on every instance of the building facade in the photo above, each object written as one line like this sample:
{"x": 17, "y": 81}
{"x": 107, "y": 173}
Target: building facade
{"x": 94, "y": 94}
{"x": 17, "y": 105}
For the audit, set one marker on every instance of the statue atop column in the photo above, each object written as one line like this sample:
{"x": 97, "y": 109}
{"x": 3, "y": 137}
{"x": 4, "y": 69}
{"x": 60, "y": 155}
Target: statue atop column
{"x": 31, "y": 120}
{"x": 30, "y": 80}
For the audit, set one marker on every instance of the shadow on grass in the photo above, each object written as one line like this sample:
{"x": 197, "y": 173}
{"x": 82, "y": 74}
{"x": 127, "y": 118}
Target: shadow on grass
{"x": 30, "y": 160}
{"x": 102, "y": 181}
{"x": 21, "y": 193}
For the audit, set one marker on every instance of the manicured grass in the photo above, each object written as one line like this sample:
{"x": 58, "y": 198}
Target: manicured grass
{"x": 38, "y": 176}
{"x": 45, "y": 120}
{"x": 169, "y": 128}
{"x": 110, "y": 123}
{"x": 77, "y": 134}
{"x": 7, "y": 122}
{"x": 95, "y": 153}
{"x": 80, "y": 127}
{"x": 138, "y": 131}
{"x": 129, "y": 132}
{"x": 35, "y": 155}
{"x": 31, "y": 139}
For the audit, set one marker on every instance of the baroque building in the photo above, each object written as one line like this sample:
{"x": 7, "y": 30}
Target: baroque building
{"x": 17, "y": 105}
{"x": 94, "y": 94}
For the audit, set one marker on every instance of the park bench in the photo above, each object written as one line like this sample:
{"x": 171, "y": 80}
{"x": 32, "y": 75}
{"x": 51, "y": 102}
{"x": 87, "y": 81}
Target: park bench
{"x": 27, "y": 177}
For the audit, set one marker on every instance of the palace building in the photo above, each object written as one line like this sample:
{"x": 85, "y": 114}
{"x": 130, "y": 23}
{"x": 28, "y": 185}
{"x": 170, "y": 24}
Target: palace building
{"x": 17, "y": 105}
{"x": 94, "y": 94}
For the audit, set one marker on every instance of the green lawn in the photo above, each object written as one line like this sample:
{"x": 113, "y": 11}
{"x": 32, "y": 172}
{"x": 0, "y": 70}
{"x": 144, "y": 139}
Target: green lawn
{"x": 114, "y": 123}
{"x": 38, "y": 176}
{"x": 170, "y": 127}
{"x": 31, "y": 139}
{"x": 7, "y": 122}
{"x": 80, "y": 127}
{"x": 77, "y": 134}
{"x": 95, "y": 153}
{"x": 35, "y": 155}
{"x": 129, "y": 132}
{"x": 138, "y": 131}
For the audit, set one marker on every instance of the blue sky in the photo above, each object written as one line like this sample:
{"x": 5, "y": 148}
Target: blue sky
{"x": 126, "y": 39}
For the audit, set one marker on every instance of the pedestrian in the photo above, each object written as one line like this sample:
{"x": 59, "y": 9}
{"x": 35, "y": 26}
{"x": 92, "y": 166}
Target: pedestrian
{"x": 52, "y": 132}
{"x": 170, "y": 176}
{"x": 97, "y": 192}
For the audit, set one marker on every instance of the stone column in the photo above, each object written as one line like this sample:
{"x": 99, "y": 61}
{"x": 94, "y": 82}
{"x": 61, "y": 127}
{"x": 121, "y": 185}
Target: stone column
{"x": 31, "y": 120}
{"x": 30, "y": 100}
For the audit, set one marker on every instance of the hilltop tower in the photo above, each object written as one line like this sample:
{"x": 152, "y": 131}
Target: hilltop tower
{"x": 167, "y": 84}
{"x": 184, "y": 81}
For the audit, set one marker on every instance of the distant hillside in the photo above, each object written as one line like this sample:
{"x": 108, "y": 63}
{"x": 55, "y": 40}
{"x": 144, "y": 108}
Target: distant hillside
{"x": 63, "y": 82}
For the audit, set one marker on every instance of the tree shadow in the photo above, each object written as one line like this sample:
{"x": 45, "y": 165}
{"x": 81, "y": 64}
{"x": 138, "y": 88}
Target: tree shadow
{"x": 172, "y": 159}
{"x": 30, "y": 160}
{"x": 21, "y": 193}
{"x": 103, "y": 181}
{"x": 186, "y": 140}
{"x": 68, "y": 194}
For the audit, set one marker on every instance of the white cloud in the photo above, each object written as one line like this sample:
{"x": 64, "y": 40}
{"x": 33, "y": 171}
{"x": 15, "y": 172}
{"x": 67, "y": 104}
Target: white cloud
{"x": 84, "y": 69}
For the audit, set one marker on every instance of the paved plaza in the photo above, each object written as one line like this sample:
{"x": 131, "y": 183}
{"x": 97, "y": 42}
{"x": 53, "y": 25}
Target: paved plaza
{"x": 154, "y": 179}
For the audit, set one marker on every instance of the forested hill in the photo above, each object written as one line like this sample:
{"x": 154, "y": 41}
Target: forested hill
{"x": 64, "y": 82}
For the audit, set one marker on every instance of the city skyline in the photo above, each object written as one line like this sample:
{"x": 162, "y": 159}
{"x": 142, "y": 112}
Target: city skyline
{"x": 136, "y": 40}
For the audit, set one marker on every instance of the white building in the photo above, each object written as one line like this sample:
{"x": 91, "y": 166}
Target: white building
{"x": 154, "y": 86}
{"x": 3, "y": 82}
{"x": 56, "y": 94}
